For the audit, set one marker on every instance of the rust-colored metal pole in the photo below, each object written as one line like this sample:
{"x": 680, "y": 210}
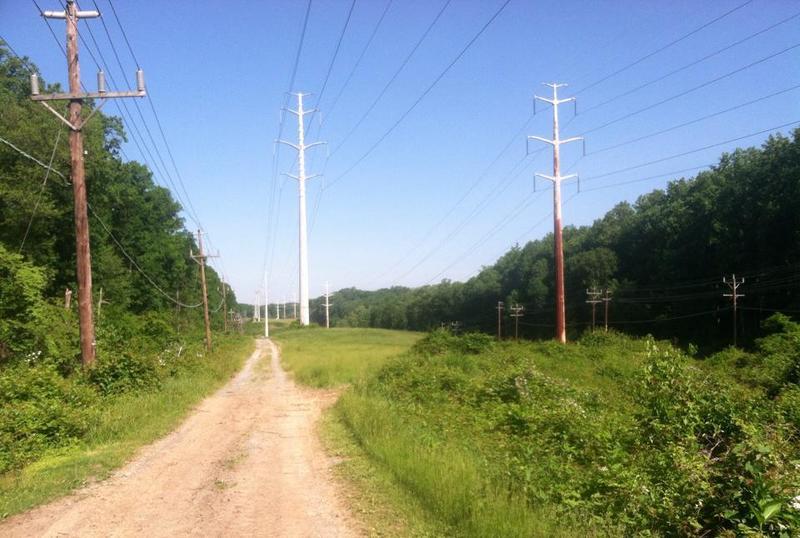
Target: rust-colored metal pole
{"x": 561, "y": 325}
{"x": 82, "y": 251}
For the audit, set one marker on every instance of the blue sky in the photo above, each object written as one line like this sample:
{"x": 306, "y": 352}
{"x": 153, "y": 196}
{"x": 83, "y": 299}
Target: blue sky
{"x": 218, "y": 72}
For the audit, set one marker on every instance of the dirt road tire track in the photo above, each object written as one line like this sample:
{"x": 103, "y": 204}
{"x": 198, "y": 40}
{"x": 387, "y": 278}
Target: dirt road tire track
{"x": 247, "y": 462}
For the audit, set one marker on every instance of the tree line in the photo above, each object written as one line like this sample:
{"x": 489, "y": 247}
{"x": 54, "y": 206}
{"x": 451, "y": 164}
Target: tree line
{"x": 662, "y": 258}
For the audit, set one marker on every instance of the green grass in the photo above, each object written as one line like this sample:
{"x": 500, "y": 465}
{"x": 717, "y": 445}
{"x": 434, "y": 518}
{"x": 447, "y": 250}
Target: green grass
{"x": 333, "y": 357}
{"x": 127, "y": 422}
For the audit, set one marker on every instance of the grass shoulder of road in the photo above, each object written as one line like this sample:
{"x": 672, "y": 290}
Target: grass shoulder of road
{"x": 126, "y": 423}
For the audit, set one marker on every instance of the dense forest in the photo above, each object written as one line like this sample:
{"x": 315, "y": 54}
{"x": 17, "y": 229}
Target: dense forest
{"x": 662, "y": 258}
{"x": 140, "y": 245}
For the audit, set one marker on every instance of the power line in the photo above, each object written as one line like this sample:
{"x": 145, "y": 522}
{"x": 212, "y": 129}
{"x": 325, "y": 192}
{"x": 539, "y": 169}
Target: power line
{"x": 690, "y": 90}
{"x": 423, "y": 95}
{"x": 397, "y": 72}
{"x": 696, "y": 120}
{"x": 690, "y": 64}
{"x": 663, "y": 48}
{"x": 41, "y": 191}
{"x": 682, "y": 154}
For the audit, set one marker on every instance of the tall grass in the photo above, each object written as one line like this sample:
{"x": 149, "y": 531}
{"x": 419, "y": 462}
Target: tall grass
{"x": 127, "y": 422}
{"x": 331, "y": 357}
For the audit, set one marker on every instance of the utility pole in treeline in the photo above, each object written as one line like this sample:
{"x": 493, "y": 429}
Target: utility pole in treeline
{"x": 733, "y": 284}
{"x": 593, "y": 300}
{"x": 606, "y": 300}
{"x": 516, "y": 313}
{"x": 224, "y": 308}
{"x": 201, "y": 260}
{"x": 556, "y": 178}
{"x": 76, "y": 124}
{"x": 499, "y": 308}
{"x": 328, "y": 304}
{"x": 301, "y": 178}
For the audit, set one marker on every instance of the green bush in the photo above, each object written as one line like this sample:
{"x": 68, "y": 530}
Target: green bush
{"x": 39, "y": 409}
{"x": 789, "y": 406}
{"x": 123, "y": 373}
{"x": 441, "y": 341}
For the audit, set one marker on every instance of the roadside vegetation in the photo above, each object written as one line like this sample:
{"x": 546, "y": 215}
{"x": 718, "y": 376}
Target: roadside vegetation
{"x": 62, "y": 424}
{"x": 609, "y": 436}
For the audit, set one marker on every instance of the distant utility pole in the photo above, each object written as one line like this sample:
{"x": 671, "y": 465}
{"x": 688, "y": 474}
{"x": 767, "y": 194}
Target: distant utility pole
{"x": 556, "y": 178}
{"x": 517, "y": 311}
{"x": 76, "y": 124}
{"x": 284, "y": 308}
{"x": 224, "y": 308}
{"x": 733, "y": 284}
{"x": 294, "y": 306}
{"x": 256, "y": 309}
{"x": 328, "y": 304}
{"x": 100, "y": 303}
{"x": 266, "y": 306}
{"x": 301, "y": 178}
{"x": 606, "y": 299}
{"x": 499, "y": 308}
{"x": 201, "y": 260}
{"x": 593, "y": 300}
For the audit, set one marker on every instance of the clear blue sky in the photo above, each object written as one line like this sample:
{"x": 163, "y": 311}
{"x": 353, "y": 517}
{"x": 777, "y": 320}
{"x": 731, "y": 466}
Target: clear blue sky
{"x": 218, "y": 71}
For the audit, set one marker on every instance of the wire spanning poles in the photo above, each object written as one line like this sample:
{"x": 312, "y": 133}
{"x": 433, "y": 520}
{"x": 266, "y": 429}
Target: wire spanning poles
{"x": 557, "y": 178}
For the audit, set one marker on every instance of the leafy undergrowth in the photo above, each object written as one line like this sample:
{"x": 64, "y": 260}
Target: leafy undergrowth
{"x": 57, "y": 433}
{"x": 608, "y": 436}
{"x": 331, "y": 357}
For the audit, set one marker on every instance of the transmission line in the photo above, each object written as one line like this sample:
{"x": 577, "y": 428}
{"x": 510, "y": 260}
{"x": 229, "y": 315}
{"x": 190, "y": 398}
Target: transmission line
{"x": 41, "y": 191}
{"x": 662, "y": 48}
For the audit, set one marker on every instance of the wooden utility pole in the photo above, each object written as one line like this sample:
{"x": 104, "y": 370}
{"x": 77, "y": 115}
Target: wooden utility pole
{"x": 733, "y": 284}
{"x": 593, "y": 300}
{"x": 201, "y": 260}
{"x": 78, "y": 176}
{"x": 499, "y": 308}
{"x": 556, "y": 178}
{"x": 516, "y": 313}
{"x": 606, "y": 300}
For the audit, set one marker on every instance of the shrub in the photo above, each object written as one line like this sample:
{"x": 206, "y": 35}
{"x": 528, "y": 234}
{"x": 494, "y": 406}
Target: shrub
{"x": 123, "y": 373}
{"x": 38, "y": 410}
{"x": 441, "y": 341}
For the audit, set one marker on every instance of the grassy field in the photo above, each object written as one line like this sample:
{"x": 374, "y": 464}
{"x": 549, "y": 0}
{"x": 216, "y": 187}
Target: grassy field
{"x": 332, "y": 357}
{"x": 607, "y": 436}
{"x": 127, "y": 422}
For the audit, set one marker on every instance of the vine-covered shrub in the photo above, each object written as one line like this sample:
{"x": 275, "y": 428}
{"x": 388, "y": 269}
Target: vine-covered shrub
{"x": 39, "y": 409}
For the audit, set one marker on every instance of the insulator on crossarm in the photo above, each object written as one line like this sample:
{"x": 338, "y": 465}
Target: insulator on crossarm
{"x": 140, "y": 80}
{"x": 101, "y": 82}
{"x": 34, "y": 84}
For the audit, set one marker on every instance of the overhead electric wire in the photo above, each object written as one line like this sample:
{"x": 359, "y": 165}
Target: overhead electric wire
{"x": 684, "y": 153}
{"x": 648, "y": 178}
{"x": 34, "y": 159}
{"x": 41, "y": 191}
{"x": 663, "y": 48}
{"x": 696, "y": 120}
{"x": 335, "y": 55}
{"x": 690, "y": 64}
{"x": 690, "y": 90}
{"x": 332, "y": 106}
{"x": 394, "y": 76}
{"x": 422, "y": 96}
{"x": 105, "y": 227}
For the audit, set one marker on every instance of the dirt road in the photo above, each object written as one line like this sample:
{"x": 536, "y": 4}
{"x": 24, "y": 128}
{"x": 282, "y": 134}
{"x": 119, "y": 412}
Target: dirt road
{"x": 246, "y": 463}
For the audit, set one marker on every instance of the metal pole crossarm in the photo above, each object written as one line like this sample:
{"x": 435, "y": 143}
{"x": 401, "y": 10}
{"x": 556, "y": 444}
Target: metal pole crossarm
{"x": 554, "y": 178}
